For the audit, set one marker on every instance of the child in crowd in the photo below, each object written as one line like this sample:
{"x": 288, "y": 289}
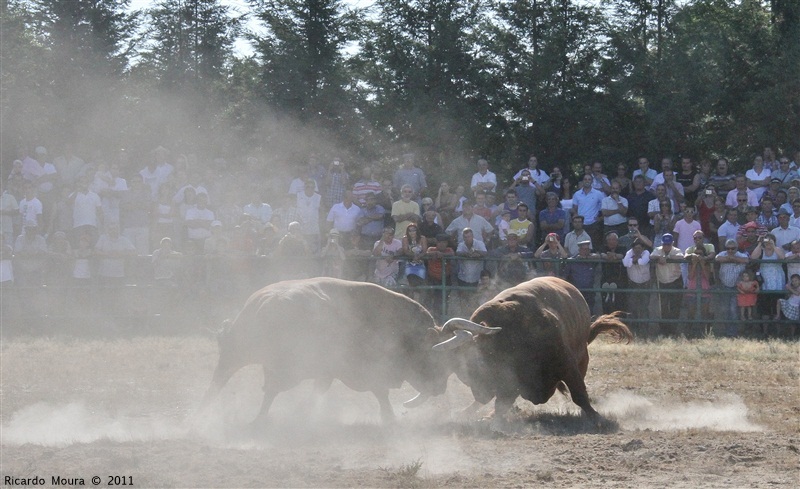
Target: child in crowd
{"x": 503, "y": 226}
{"x": 748, "y": 292}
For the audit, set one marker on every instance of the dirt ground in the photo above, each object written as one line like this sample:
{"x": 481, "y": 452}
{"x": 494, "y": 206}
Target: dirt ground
{"x": 704, "y": 413}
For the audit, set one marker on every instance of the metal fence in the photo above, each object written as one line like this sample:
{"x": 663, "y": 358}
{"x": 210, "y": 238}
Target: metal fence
{"x": 206, "y": 290}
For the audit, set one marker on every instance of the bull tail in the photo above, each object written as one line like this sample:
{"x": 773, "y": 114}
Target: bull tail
{"x": 611, "y": 325}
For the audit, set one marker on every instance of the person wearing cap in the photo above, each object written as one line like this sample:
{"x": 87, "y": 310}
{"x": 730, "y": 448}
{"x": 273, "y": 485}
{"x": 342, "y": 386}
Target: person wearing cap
{"x": 758, "y": 177}
{"x": 773, "y": 191}
{"x": 785, "y": 233}
{"x": 772, "y": 274}
{"x": 668, "y": 260}
{"x": 748, "y": 236}
{"x": 580, "y": 269}
{"x": 510, "y": 261}
{"x": 732, "y": 263}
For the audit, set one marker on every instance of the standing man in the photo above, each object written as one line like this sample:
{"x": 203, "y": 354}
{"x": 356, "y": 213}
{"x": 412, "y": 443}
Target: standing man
{"x": 732, "y": 263}
{"x": 408, "y": 174}
{"x": 638, "y": 202}
{"x": 580, "y": 271}
{"x": 669, "y": 282}
{"x": 575, "y": 236}
{"x": 468, "y": 219}
{"x": 343, "y": 217}
{"x": 483, "y": 179}
{"x": 648, "y": 174}
{"x": 637, "y": 263}
{"x": 615, "y": 210}
{"x": 588, "y": 202}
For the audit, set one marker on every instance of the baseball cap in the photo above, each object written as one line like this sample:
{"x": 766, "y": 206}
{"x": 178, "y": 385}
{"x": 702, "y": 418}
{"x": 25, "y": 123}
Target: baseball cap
{"x": 667, "y": 239}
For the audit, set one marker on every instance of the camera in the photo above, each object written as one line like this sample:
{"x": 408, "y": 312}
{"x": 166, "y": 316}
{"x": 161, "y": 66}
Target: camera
{"x": 526, "y": 179}
{"x": 336, "y": 162}
{"x": 551, "y": 239}
{"x": 709, "y": 192}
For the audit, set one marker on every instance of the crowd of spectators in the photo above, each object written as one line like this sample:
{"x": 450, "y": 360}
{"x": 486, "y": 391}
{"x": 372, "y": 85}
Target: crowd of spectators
{"x": 180, "y": 224}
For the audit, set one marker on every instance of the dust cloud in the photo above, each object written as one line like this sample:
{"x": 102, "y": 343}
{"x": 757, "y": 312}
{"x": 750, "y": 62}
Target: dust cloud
{"x": 53, "y": 425}
{"x": 341, "y": 415}
{"x": 634, "y": 412}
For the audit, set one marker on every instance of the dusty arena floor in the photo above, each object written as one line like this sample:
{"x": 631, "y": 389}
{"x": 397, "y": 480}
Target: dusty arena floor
{"x": 705, "y": 413}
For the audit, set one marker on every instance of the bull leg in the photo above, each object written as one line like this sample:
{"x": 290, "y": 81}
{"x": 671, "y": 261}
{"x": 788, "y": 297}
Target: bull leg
{"x": 577, "y": 389}
{"x": 502, "y": 404}
{"x": 387, "y": 413}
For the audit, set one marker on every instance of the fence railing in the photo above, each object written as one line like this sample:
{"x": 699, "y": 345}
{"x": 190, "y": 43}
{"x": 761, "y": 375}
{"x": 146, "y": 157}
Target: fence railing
{"x": 211, "y": 288}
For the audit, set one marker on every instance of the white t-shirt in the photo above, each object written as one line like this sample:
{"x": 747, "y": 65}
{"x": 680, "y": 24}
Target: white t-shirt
{"x": 195, "y": 214}
{"x": 30, "y": 210}
{"x": 84, "y": 210}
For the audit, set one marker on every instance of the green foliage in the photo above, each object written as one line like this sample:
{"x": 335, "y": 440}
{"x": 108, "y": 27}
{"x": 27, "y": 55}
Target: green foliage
{"x": 450, "y": 80}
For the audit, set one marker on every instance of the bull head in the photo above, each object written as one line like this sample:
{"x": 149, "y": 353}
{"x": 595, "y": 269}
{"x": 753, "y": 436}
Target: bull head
{"x": 463, "y": 331}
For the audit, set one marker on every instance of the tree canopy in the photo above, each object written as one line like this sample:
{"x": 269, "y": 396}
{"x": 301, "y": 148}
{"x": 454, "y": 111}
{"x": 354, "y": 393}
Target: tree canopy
{"x": 450, "y": 80}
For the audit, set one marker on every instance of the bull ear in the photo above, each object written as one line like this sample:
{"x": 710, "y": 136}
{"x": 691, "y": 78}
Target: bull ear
{"x": 432, "y": 336}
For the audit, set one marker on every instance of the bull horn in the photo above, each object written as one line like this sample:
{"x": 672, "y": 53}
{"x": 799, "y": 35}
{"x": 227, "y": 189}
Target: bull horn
{"x": 459, "y": 337}
{"x": 416, "y": 400}
{"x": 472, "y": 327}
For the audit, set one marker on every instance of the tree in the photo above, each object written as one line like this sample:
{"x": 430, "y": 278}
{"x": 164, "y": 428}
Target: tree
{"x": 425, "y": 89}
{"x": 189, "y": 43}
{"x": 303, "y": 66}
{"x": 81, "y": 50}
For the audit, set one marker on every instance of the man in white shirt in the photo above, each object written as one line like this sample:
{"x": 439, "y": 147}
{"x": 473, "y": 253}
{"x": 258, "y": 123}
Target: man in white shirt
{"x": 483, "y": 179}
{"x": 344, "y": 217}
{"x": 785, "y": 233}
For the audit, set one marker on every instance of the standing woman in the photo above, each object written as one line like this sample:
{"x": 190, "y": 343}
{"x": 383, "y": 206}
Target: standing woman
{"x": 773, "y": 275}
{"x": 414, "y": 246}
{"x": 387, "y": 248}
{"x": 446, "y": 202}
{"x": 716, "y": 220}
{"x": 625, "y": 183}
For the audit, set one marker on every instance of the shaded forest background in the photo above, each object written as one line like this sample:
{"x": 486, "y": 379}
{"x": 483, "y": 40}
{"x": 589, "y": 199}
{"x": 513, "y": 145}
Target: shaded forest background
{"x": 451, "y": 80}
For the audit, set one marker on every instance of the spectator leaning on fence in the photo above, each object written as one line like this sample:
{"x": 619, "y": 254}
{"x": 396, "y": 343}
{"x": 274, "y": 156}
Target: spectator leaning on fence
{"x": 669, "y": 280}
{"x": 731, "y": 264}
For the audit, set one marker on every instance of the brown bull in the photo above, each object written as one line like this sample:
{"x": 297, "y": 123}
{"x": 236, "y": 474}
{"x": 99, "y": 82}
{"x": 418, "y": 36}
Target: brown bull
{"x": 546, "y": 327}
{"x": 370, "y": 338}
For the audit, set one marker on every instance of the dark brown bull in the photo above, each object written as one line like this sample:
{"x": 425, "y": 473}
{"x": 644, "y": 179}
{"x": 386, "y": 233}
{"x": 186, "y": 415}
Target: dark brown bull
{"x": 370, "y": 338}
{"x": 546, "y": 328}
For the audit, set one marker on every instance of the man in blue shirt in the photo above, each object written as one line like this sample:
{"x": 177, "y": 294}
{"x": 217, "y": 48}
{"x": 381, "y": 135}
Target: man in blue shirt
{"x": 587, "y": 202}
